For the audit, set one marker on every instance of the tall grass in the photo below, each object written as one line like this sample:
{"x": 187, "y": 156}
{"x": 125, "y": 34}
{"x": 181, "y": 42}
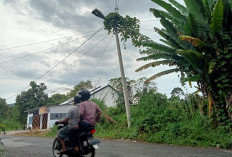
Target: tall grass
{"x": 161, "y": 120}
{"x": 11, "y": 124}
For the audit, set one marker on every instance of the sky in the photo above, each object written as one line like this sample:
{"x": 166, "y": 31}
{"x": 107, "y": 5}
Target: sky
{"x": 52, "y": 42}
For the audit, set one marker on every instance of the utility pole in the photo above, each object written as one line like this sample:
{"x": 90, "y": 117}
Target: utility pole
{"x": 98, "y": 13}
{"x": 125, "y": 91}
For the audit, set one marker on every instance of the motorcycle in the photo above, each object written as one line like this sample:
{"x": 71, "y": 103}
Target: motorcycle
{"x": 78, "y": 144}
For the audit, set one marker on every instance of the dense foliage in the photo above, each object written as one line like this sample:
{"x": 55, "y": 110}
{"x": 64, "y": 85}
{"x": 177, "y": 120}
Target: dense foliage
{"x": 81, "y": 85}
{"x": 161, "y": 120}
{"x": 128, "y": 27}
{"x": 196, "y": 41}
{"x": 56, "y": 99}
{"x": 2, "y": 148}
{"x": 9, "y": 117}
{"x": 32, "y": 98}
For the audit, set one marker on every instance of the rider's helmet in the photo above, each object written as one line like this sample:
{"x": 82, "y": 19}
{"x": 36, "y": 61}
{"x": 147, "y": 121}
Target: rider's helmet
{"x": 77, "y": 99}
{"x": 84, "y": 94}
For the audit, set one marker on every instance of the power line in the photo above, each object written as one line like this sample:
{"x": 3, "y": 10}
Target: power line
{"x": 78, "y": 58}
{"x": 103, "y": 52}
{"x": 69, "y": 54}
{"x": 82, "y": 56}
{"x": 58, "y": 62}
{"x": 40, "y": 42}
{"x": 21, "y": 57}
{"x": 148, "y": 29}
{"x": 149, "y": 20}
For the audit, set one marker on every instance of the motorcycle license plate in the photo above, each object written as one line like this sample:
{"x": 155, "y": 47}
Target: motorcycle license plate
{"x": 95, "y": 146}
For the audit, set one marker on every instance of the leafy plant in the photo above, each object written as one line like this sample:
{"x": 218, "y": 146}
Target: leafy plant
{"x": 197, "y": 43}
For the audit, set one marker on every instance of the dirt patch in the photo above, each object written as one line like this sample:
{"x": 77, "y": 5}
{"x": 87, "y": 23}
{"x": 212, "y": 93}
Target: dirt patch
{"x": 34, "y": 133}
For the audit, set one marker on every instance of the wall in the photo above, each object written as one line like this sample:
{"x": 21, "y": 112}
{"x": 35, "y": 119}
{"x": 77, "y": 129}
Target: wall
{"x": 56, "y": 110}
{"x": 108, "y": 95}
{"x": 29, "y": 116}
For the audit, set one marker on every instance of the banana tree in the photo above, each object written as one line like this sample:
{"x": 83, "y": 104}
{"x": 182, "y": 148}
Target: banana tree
{"x": 197, "y": 42}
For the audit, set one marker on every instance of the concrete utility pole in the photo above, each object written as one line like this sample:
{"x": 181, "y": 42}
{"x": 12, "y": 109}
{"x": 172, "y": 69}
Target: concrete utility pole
{"x": 125, "y": 91}
{"x": 98, "y": 13}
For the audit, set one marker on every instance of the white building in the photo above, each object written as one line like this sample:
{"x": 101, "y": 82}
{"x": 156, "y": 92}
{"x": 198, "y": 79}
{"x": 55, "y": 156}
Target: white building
{"x": 46, "y": 116}
{"x": 107, "y": 93}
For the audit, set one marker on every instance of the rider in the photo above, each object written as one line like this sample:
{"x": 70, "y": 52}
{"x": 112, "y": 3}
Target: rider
{"x": 72, "y": 119}
{"x": 89, "y": 111}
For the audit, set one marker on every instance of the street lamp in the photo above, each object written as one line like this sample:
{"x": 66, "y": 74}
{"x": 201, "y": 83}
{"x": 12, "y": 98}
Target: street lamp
{"x": 99, "y": 14}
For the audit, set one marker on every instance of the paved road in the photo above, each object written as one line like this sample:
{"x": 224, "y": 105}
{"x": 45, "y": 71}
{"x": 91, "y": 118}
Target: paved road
{"x": 41, "y": 147}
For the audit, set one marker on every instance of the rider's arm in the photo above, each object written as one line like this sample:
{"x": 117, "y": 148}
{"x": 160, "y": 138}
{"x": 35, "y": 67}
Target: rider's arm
{"x": 63, "y": 121}
{"x": 98, "y": 113}
{"x": 66, "y": 119}
{"x": 81, "y": 110}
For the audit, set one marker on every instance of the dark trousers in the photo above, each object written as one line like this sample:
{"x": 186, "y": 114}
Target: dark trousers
{"x": 84, "y": 126}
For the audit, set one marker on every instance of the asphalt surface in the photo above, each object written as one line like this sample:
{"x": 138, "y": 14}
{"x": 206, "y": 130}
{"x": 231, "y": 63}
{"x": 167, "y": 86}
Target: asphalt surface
{"x": 42, "y": 147}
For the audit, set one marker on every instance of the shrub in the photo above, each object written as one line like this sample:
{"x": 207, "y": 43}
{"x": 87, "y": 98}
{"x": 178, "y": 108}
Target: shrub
{"x": 161, "y": 120}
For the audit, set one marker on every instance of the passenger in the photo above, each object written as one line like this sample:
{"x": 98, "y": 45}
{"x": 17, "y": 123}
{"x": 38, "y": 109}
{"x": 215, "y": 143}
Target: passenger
{"x": 72, "y": 119}
{"x": 89, "y": 111}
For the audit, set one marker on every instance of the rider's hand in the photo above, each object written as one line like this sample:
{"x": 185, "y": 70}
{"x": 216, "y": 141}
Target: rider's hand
{"x": 57, "y": 122}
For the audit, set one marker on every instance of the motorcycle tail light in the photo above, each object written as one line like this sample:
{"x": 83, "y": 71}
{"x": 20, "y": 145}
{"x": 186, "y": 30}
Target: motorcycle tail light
{"x": 93, "y": 131}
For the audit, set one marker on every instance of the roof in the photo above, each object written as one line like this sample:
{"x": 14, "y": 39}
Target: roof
{"x": 69, "y": 101}
{"x": 101, "y": 88}
{"x": 34, "y": 109}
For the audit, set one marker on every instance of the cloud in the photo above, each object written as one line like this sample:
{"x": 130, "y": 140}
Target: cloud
{"x": 30, "y": 21}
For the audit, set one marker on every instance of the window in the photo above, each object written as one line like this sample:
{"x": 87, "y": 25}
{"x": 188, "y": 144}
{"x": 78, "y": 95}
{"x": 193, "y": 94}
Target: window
{"x": 30, "y": 120}
{"x": 57, "y": 116}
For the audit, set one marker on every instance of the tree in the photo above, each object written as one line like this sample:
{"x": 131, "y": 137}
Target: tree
{"x": 142, "y": 88}
{"x": 4, "y": 109}
{"x": 116, "y": 83}
{"x": 198, "y": 43}
{"x": 56, "y": 99}
{"x": 177, "y": 91}
{"x": 82, "y": 85}
{"x": 33, "y": 97}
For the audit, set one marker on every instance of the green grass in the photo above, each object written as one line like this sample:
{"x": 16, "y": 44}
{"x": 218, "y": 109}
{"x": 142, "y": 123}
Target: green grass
{"x": 2, "y": 149}
{"x": 161, "y": 120}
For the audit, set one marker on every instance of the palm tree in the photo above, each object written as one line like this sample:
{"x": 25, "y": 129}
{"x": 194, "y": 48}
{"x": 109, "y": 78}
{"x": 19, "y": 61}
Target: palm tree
{"x": 197, "y": 42}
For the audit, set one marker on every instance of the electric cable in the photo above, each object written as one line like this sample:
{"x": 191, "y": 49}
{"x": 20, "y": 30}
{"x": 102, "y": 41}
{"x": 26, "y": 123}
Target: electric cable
{"x": 149, "y": 20}
{"x": 103, "y": 52}
{"x": 68, "y": 55}
{"x": 40, "y": 42}
{"x": 58, "y": 62}
{"x": 31, "y": 54}
{"x": 78, "y": 58}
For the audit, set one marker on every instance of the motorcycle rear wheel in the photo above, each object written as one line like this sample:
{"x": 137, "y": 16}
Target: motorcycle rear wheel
{"x": 91, "y": 154}
{"x": 56, "y": 147}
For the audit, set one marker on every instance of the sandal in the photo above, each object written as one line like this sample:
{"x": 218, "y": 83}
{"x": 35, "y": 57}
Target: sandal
{"x": 61, "y": 151}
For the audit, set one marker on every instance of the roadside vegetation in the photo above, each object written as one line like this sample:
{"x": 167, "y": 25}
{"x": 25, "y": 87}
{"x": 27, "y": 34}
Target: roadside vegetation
{"x": 196, "y": 42}
{"x": 2, "y": 149}
{"x": 158, "y": 119}
{"x": 161, "y": 120}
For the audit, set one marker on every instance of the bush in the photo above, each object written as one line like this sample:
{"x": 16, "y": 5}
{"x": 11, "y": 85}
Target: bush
{"x": 161, "y": 120}
{"x": 52, "y": 132}
{"x": 2, "y": 148}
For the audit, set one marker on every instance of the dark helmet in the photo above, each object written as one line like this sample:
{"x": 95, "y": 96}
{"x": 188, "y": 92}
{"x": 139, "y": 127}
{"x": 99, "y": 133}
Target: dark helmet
{"x": 77, "y": 99}
{"x": 85, "y": 94}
